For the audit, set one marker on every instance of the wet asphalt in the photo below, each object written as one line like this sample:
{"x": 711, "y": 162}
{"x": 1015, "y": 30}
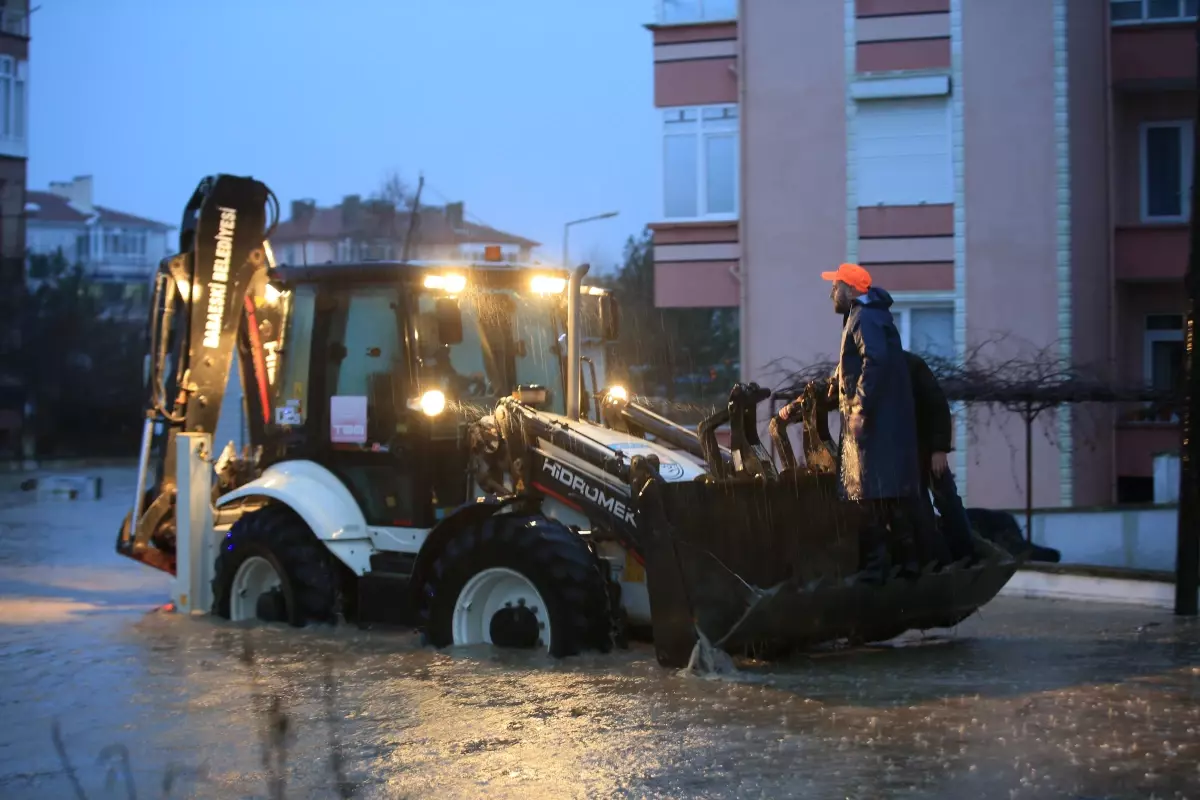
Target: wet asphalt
{"x": 102, "y": 697}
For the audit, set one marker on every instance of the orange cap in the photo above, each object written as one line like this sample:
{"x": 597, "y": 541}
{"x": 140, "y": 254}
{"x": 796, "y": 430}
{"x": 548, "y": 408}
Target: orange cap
{"x": 852, "y": 275}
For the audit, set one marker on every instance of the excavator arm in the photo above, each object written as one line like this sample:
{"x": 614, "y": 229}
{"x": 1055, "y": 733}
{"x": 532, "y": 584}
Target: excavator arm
{"x": 207, "y": 304}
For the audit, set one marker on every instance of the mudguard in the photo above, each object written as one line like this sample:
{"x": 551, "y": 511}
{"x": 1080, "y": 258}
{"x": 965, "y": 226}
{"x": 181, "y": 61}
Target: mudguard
{"x": 322, "y": 501}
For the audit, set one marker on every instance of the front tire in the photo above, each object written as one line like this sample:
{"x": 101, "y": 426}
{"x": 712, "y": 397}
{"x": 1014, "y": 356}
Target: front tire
{"x": 272, "y": 567}
{"x": 518, "y": 581}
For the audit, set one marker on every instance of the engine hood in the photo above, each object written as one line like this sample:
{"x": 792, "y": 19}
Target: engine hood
{"x": 674, "y": 465}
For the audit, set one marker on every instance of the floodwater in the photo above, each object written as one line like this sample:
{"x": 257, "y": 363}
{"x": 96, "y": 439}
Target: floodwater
{"x": 101, "y": 697}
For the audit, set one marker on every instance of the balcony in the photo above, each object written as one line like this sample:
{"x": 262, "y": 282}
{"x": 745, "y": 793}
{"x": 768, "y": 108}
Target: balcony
{"x": 692, "y": 12}
{"x": 1151, "y": 253}
{"x": 1153, "y": 44}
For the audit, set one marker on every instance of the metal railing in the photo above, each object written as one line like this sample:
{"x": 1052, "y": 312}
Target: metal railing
{"x": 684, "y": 12}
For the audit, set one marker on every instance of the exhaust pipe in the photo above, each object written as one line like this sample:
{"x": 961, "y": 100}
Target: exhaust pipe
{"x": 573, "y": 364}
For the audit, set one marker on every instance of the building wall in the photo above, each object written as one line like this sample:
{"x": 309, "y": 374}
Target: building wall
{"x": 12, "y": 248}
{"x": 696, "y": 68}
{"x": 47, "y": 237}
{"x": 1040, "y": 242}
{"x": 1010, "y": 176}
{"x": 793, "y": 206}
{"x": 43, "y": 238}
{"x": 1091, "y": 278}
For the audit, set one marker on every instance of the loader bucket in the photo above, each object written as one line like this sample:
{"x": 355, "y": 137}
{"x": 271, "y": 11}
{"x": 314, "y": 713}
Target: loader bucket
{"x": 772, "y": 566}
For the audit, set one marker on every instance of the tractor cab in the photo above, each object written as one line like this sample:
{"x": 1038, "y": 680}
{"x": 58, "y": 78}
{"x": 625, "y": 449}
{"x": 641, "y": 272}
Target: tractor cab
{"x": 382, "y": 367}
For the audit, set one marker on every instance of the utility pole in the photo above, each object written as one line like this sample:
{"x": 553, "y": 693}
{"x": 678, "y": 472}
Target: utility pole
{"x": 1187, "y": 543}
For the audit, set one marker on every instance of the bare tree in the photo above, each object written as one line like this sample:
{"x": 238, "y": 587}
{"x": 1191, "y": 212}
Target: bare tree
{"x": 394, "y": 189}
{"x": 1026, "y": 385}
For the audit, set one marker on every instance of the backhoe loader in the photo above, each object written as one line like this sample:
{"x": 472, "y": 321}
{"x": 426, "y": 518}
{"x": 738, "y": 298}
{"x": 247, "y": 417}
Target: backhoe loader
{"x": 424, "y": 450}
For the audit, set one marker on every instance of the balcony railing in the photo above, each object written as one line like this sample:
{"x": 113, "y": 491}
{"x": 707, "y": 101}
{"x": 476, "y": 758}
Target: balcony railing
{"x": 687, "y": 12}
{"x": 1146, "y": 12}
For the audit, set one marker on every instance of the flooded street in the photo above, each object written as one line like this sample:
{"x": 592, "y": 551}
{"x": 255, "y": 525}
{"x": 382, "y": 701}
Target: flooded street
{"x": 1030, "y": 699}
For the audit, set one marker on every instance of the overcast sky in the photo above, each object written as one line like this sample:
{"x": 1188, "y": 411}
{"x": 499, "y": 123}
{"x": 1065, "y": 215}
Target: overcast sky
{"x": 533, "y": 112}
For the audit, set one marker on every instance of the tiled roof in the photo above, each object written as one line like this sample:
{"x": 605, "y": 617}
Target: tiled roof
{"x": 121, "y": 218}
{"x": 50, "y": 207}
{"x": 433, "y": 228}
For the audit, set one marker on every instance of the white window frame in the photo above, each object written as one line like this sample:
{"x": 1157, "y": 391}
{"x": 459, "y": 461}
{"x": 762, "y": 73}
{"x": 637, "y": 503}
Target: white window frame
{"x": 701, "y": 15}
{"x": 1186, "y": 155}
{"x": 904, "y": 303}
{"x": 1143, "y": 19}
{"x": 10, "y": 70}
{"x": 1149, "y": 338}
{"x": 718, "y": 129}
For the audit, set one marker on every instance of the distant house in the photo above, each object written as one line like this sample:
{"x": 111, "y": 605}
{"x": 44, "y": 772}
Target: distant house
{"x": 375, "y": 230}
{"x": 119, "y": 251}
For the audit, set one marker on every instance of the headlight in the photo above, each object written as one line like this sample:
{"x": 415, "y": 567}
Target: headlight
{"x": 618, "y": 393}
{"x": 547, "y": 284}
{"x": 433, "y": 403}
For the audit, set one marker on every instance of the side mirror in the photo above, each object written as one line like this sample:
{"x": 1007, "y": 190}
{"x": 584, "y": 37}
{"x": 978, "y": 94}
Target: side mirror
{"x": 449, "y": 321}
{"x": 610, "y": 323}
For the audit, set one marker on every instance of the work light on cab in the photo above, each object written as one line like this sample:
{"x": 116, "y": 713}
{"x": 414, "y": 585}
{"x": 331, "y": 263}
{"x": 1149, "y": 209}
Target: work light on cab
{"x": 450, "y": 284}
{"x": 547, "y": 284}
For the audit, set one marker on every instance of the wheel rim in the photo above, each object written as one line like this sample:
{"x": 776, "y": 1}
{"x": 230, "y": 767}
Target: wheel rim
{"x": 254, "y": 578}
{"x": 501, "y": 606}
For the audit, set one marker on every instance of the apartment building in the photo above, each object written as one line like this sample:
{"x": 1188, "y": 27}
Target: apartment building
{"x": 118, "y": 251}
{"x": 14, "y": 150}
{"x": 357, "y": 230}
{"x": 1016, "y": 169}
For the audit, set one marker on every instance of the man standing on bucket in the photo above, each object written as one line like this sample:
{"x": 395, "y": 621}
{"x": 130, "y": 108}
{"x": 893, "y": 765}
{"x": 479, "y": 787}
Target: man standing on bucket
{"x": 879, "y": 454}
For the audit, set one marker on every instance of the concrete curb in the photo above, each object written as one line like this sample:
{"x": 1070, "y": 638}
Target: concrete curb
{"x": 1036, "y": 584}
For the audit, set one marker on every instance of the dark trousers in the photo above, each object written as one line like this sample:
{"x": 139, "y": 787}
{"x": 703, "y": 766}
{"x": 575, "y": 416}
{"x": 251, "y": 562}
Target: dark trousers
{"x": 897, "y": 532}
{"x": 956, "y": 530}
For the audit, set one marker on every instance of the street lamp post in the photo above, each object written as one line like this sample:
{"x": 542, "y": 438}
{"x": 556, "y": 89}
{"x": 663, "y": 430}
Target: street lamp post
{"x": 567, "y": 231}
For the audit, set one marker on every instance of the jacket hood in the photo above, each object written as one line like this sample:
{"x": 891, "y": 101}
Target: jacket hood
{"x": 876, "y": 298}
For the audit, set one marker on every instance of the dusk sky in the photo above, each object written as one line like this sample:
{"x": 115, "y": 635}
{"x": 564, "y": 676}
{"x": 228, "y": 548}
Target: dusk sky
{"x": 532, "y": 112}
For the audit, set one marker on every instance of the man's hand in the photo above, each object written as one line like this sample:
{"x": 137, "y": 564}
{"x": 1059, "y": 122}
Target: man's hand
{"x": 857, "y": 424}
{"x": 939, "y": 464}
{"x": 785, "y": 411}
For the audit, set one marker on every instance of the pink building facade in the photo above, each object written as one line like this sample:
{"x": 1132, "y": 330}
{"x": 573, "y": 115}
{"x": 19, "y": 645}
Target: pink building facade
{"x": 1014, "y": 170}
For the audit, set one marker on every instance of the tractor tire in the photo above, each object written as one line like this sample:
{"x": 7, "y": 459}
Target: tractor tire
{"x": 308, "y": 587}
{"x": 543, "y": 552}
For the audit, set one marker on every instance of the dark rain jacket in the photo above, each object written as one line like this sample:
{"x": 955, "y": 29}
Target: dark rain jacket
{"x": 934, "y": 422}
{"x": 873, "y": 375}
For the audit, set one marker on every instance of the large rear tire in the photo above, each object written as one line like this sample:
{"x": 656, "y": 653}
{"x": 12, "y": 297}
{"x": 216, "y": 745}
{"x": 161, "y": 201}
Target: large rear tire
{"x": 518, "y": 581}
{"x": 274, "y": 556}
